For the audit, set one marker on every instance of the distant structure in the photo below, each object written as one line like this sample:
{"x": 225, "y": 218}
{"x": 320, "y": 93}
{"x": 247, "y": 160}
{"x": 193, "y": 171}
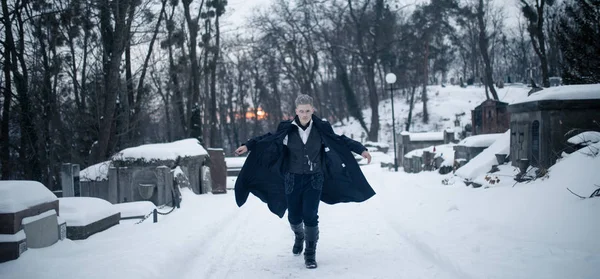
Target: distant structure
{"x": 541, "y": 124}
{"x": 490, "y": 117}
{"x": 412, "y": 141}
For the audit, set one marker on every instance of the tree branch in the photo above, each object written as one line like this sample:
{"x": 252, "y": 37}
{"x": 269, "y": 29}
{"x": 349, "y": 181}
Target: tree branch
{"x": 575, "y": 194}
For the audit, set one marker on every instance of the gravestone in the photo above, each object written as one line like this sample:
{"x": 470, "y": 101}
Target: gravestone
{"x": 218, "y": 170}
{"x": 69, "y": 176}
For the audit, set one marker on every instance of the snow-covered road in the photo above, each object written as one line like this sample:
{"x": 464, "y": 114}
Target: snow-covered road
{"x": 413, "y": 228}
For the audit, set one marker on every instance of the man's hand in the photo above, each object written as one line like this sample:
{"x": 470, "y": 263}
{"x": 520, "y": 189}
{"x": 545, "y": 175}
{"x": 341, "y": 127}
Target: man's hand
{"x": 243, "y": 149}
{"x": 367, "y": 156}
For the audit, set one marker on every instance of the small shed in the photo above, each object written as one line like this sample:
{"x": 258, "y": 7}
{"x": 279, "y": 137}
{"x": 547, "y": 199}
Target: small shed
{"x": 490, "y": 117}
{"x": 542, "y": 123}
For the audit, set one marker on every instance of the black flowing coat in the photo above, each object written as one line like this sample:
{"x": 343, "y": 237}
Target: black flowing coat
{"x": 263, "y": 170}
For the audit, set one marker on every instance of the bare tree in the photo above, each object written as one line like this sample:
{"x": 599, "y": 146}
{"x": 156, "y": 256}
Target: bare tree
{"x": 115, "y": 30}
{"x": 535, "y": 15}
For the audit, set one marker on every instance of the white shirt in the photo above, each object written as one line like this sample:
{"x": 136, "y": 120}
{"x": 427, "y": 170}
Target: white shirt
{"x": 303, "y": 133}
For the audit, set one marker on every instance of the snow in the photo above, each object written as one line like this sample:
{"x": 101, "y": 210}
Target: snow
{"x": 414, "y": 227}
{"x": 132, "y": 209}
{"x": 585, "y": 138}
{"x": 377, "y": 144}
{"x": 19, "y": 236}
{"x": 444, "y": 104}
{"x": 162, "y": 151}
{"x": 486, "y": 159}
{"x": 567, "y": 92}
{"x": 82, "y": 211}
{"x": 479, "y": 140}
{"x": 446, "y": 151}
{"x": 18, "y": 195}
{"x": 431, "y": 136}
{"x": 97, "y": 172}
{"x": 40, "y": 216}
{"x": 235, "y": 162}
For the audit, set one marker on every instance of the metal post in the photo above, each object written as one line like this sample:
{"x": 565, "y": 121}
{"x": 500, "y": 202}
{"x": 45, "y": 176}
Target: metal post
{"x": 155, "y": 215}
{"x": 393, "y": 127}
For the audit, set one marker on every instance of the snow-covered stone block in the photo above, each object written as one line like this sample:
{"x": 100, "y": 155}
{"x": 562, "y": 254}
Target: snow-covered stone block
{"x": 86, "y": 216}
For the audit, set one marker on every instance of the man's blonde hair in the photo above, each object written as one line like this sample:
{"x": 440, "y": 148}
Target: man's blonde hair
{"x": 303, "y": 99}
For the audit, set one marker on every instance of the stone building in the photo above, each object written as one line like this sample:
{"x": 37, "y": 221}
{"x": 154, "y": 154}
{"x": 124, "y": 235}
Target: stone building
{"x": 144, "y": 173}
{"x": 542, "y": 123}
{"x": 490, "y": 117}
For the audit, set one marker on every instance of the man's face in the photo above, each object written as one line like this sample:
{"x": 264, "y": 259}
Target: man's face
{"x": 304, "y": 113}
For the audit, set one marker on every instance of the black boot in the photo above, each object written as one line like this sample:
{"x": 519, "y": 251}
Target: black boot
{"x": 312, "y": 235}
{"x": 299, "y": 238}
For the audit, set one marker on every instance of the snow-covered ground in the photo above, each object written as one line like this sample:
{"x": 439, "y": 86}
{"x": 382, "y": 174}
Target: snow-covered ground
{"x": 414, "y": 227}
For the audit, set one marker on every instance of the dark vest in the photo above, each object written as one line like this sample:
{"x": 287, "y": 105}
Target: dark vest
{"x": 304, "y": 158}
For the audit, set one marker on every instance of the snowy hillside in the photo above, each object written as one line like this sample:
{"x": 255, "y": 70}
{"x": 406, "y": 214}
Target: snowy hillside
{"x": 443, "y": 106}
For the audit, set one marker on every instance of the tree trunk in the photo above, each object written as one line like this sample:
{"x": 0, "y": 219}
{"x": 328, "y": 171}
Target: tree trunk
{"x": 193, "y": 100}
{"x": 114, "y": 42}
{"x": 214, "y": 131}
{"x": 483, "y": 48}
{"x": 5, "y": 173}
{"x": 542, "y": 44}
{"x": 373, "y": 102}
{"x": 410, "y": 108}
{"x": 178, "y": 104}
{"x": 425, "y": 81}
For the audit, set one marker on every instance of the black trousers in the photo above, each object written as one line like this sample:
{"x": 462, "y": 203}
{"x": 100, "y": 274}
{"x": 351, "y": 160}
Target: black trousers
{"x": 303, "y": 194}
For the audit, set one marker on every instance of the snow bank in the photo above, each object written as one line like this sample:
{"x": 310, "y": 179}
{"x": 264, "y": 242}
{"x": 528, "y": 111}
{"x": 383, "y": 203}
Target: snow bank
{"x": 483, "y": 162}
{"x": 567, "y": 92}
{"x": 585, "y": 138}
{"x": 479, "y": 140}
{"x": 446, "y": 151}
{"x": 97, "y": 172}
{"x": 17, "y": 195}
{"x": 82, "y": 211}
{"x": 162, "y": 151}
{"x": 427, "y": 136}
{"x": 235, "y": 162}
{"x": 578, "y": 170}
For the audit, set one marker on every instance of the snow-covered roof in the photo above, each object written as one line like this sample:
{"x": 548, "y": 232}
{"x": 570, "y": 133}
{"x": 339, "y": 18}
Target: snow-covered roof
{"x": 82, "y": 211}
{"x": 479, "y": 140}
{"x": 162, "y": 151}
{"x": 97, "y": 172}
{"x": 567, "y": 92}
{"x": 426, "y": 136}
{"x": 18, "y": 195}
